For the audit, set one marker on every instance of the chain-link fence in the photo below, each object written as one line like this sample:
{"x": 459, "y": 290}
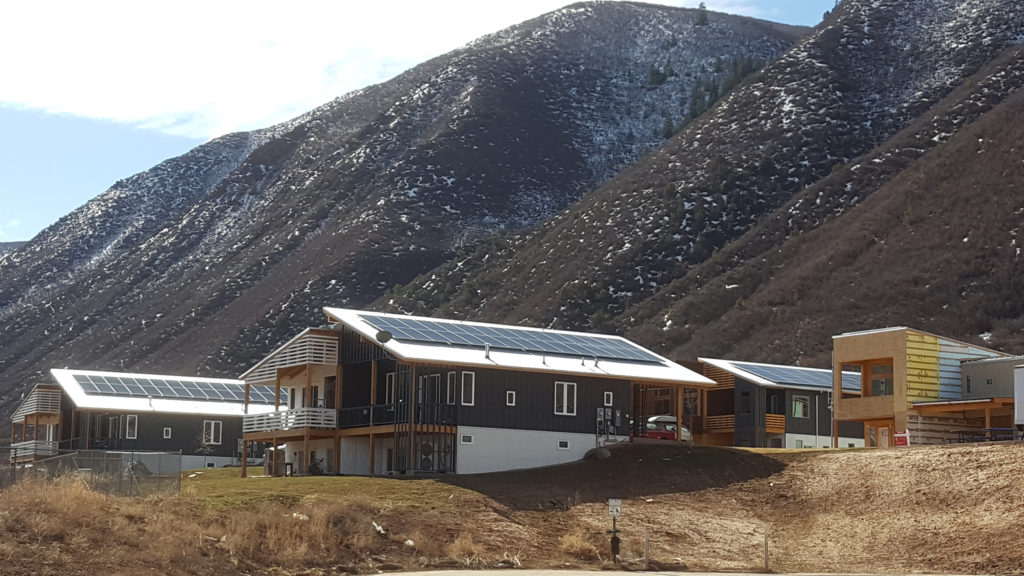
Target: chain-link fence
{"x": 117, "y": 473}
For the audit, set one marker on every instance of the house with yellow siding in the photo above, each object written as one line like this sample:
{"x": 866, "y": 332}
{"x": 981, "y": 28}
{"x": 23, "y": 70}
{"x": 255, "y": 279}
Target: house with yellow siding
{"x": 911, "y": 387}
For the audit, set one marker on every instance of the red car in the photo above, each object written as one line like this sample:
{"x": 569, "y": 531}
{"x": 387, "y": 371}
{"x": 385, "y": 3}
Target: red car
{"x": 664, "y": 428}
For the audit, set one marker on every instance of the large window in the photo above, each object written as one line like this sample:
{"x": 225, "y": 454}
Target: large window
{"x": 745, "y": 404}
{"x": 468, "y": 388}
{"x": 565, "y": 398}
{"x": 131, "y": 428}
{"x": 212, "y": 432}
{"x": 801, "y": 407}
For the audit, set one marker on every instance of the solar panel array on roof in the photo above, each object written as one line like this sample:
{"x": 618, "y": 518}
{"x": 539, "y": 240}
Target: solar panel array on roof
{"x": 170, "y": 388}
{"x": 798, "y": 376}
{"x": 507, "y": 338}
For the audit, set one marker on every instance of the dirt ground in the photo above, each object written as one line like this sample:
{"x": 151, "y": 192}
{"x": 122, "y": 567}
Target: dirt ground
{"x": 942, "y": 509}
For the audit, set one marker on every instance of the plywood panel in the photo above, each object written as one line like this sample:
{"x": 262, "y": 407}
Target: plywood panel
{"x": 922, "y": 366}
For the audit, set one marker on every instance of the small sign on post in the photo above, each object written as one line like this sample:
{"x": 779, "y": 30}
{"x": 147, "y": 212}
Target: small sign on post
{"x": 615, "y": 511}
{"x": 615, "y": 507}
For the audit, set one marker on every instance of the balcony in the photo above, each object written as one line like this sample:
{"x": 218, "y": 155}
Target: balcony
{"x": 723, "y": 423}
{"x": 775, "y": 423}
{"x": 290, "y": 419}
{"x": 33, "y": 449}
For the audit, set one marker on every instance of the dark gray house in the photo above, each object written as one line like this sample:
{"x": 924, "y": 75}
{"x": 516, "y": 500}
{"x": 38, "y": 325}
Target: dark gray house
{"x": 373, "y": 393}
{"x": 773, "y": 406}
{"x": 91, "y": 410}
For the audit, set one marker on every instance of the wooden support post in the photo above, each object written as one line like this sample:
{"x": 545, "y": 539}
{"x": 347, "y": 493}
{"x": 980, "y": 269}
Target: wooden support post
{"x": 679, "y": 412}
{"x": 835, "y": 433}
{"x": 373, "y": 404}
{"x": 373, "y": 454}
{"x": 304, "y": 465}
{"x": 412, "y": 418}
{"x": 245, "y": 443}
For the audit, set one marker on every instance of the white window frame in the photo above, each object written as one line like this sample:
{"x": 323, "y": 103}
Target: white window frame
{"x": 465, "y": 438}
{"x": 563, "y": 445}
{"x": 563, "y": 397}
{"x": 213, "y": 432}
{"x": 452, "y": 389}
{"x": 609, "y": 398}
{"x": 469, "y": 378}
{"x": 806, "y": 400}
{"x": 167, "y": 432}
{"x": 131, "y": 427}
{"x": 389, "y": 388}
{"x": 510, "y": 397}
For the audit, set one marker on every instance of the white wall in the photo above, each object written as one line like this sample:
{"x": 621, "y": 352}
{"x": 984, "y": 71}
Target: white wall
{"x": 808, "y": 441}
{"x": 497, "y": 449}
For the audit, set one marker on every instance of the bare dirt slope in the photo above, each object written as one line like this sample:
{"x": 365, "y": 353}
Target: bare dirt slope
{"x": 941, "y": 509}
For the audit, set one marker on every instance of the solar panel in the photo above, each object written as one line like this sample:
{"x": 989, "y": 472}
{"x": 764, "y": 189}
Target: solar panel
{"x": 509, "y": 338}
{"x": 798, "y": 376}
{"x": 173, "y": 389}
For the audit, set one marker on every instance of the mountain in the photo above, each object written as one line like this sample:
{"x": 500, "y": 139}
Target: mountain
{"x": 10, "y": 246}
{"x": 208, "y": 261}
{"x": 869, "y": 177}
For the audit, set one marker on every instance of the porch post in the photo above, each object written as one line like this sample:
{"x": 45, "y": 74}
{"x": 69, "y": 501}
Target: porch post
{"x": 412, "y": 418}
{"x": 373, "y": 404}
{"x": 679, "y": 412}
{"x": 304, "y": 465}
{"x": 245, "y": 443}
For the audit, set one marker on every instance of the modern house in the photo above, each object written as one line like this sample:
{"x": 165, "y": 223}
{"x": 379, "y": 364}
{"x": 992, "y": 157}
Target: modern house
{"x": 91, "y": 410}
{"x": 773, "y": 406}
{"x": 374, "y": 393}
{"x": 920, "y": 388}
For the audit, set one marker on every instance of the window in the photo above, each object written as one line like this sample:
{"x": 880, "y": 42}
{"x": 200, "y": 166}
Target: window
{"x": 563, "y": 444}
{"x": 452, "y": 390}
{"x": 468, "y": 388}
{"x": 968, "y": 383}
{"x": 881, "y": 379}
{"x": 799, "y": 443}
{"x": 744, "y": 403}
{"x": 167, "y": 433}
{"x": 662, "y": 392}
{"x": 801, "y": 407}
{"x": 211, "y": 432}
{"x": 988, "y": 381}
{"x": 565, "y": 398}
{"x": 131, "y": 428}
{"x": 608, "y": 396}
{"x": 510, "y": 398}
{"x": 466, "y": 439}
{"x": 389, "y": 388}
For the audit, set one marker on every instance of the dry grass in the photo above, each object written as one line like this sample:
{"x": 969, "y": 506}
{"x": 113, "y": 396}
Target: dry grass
{"x": 578, "y": 544}
{"x": 222, "y": 524}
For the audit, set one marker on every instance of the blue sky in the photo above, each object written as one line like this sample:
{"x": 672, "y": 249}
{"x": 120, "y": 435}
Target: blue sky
{"x": 93, "y": 92}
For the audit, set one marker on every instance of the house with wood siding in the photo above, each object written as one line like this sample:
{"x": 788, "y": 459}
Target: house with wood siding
{"x": 912, "y": 387}
{"x": 770, "y": 405}
{"x": 372, "y": 393}
{"x": 96, "y": 410}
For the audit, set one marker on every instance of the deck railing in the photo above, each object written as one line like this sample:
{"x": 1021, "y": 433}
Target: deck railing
{"x": 775, "y": 421}
{"x": 719, "y": 423}
{"x": 289, "y": 419}
{"x": 33, "y": 448}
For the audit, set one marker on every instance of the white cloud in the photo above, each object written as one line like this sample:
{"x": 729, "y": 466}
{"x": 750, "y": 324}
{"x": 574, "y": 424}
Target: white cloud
{"x": 201, "y": 69}
{"x": 12, "y": 225}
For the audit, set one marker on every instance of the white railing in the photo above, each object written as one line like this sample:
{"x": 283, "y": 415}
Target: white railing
{"x": 289, "y": 419}
{"x": 34, "y": 448}
{"x": 38, "y": 402}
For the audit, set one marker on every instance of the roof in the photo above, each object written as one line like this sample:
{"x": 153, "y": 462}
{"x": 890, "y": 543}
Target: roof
{"x": 477, "y": 344}
{"x": 777, "y": 376}
{"x": 96, "y": 390}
